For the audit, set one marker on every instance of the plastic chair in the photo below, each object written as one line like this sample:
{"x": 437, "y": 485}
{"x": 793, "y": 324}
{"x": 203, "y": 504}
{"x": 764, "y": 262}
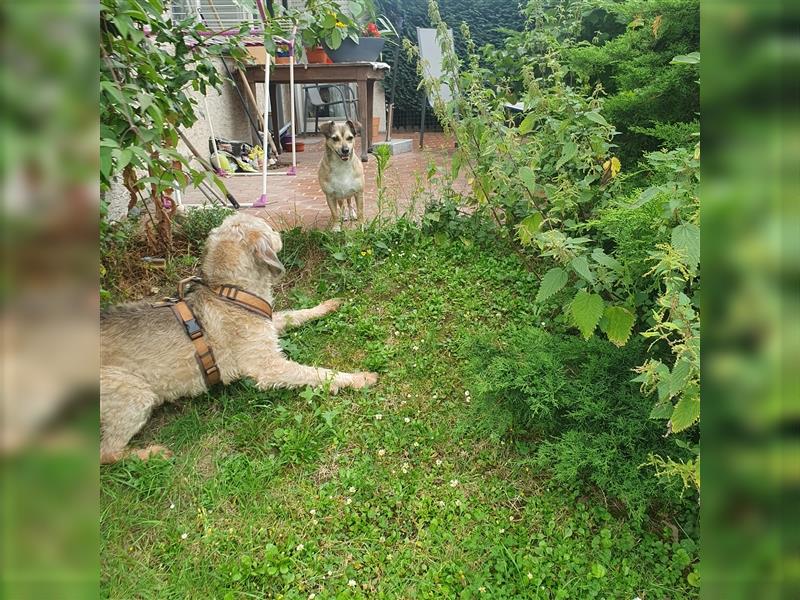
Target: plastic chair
{"x": 314, "y": 99}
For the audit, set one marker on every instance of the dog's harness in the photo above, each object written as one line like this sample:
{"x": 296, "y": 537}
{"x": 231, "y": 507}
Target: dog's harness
{"x": 203, "y": 352}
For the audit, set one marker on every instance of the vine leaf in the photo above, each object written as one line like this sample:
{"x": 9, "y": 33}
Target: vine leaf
{"x": 617, "y": 324}
{"x": 586, "y": 310}
{"x": 552, "y": 282}
{"x": 685, "y": 414}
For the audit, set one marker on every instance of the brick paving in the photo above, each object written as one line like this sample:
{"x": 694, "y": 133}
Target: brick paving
{"x": 299, "y": 201}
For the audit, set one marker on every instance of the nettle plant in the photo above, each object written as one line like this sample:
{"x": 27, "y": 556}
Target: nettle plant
{"x": 547, "y": 177}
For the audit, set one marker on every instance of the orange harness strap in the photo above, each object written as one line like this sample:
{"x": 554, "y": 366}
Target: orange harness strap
{"x": 203, "y": 352}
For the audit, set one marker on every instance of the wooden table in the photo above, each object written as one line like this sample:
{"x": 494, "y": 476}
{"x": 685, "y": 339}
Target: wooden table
{"x": 365, "y": 74}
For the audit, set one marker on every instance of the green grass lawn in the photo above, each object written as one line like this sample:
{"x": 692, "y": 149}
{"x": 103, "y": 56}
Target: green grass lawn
{"x": 398, "y": 491}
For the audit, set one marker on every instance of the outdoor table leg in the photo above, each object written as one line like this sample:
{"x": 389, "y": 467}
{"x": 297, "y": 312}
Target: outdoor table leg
{"x": 364, "y": 106}
{"x": 368, "y": 124}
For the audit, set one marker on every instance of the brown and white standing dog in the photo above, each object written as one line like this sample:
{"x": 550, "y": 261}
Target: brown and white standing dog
{"x": 341, "y": 175}
{"x": 147, "y": 358}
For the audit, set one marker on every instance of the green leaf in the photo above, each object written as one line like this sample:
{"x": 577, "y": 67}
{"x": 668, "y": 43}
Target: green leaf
{"x": 679, "y": 376}
{"x": 335, "y": 40}
{"x": 527, "y": 124}
{"x": 528, "y": 228}
{"x": 568, "y": 152}
{"x": 692, "y": 58}
{"x": 604, "y": 259}
{"x": 617, "y": 324}
{"x": 586, "y": 310}
{"x": 661, "y": 410}
{"x": 685, "y": 414}
{"x": 686, "y": 240}
{"x": 693, "y": 579}
{"x": 329, "y": 21}
{"x": 595, "y": 117}
{"x": 552, "y": 282}
{"x": 356, "y": 9}
{"x": 598, "y": 571}
{"x": 581, "y": 266}
{"x": 528, "y": 177}
{"x": 646, "y": 196}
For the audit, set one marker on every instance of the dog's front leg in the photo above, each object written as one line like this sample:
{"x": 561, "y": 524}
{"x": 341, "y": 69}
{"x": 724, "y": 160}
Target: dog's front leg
{"x": 287, "y": 373}
{"x": 285, "y": 319}
{"x": 333, "y": 205}
{"x": 360, "y": 207}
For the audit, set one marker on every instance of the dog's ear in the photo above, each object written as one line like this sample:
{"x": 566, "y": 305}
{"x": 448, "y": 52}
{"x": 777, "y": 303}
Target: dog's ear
{"x": 354, "y": 126}
{"x": 327, "y": 128}
{"x": 266, "y": 248}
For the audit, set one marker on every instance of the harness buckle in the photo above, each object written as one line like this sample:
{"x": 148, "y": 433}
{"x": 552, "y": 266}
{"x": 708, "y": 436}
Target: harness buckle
{"x": 193, "y": 329}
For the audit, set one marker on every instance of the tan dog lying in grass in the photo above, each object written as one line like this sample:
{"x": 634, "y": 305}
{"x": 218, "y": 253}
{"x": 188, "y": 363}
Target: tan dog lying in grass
{"x": 147, "y": 358}
{"x": 341, "y": 174}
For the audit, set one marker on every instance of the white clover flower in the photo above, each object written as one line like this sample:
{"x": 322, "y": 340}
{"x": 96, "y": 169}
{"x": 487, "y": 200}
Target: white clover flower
{"x": 407, "y": 420}
{"x": 184, "y": 536}
{"x": 330, "y": 573}
{"x": 314, "y": 521}
{"x": 543, "y": 324}
{"x": 381, "y": 539}
{"x": 502, "y": 530}
{"x": 378, "y": 417}
{"x": 172, "y": 505}
{"x": 348, "y": 501}
{"x": 313, "y": 511}
{"x": 415, "y": 348}
{"x": 381, "y": 452}
{"x": 438, "y": 462}
{"x": 530, "y": 575}
{"x": 408, "y": 395}
{"x": 352, "y": 583}
{"x": 416, "y": 444}
{"x": 396, "y": 332}
{"x": 441, "y": 503}
{"x": 311, "y": 596}
{"x": 458, "y": 503}
{"x": 352, "y": 490}
{"x": 300, "y": 547}
{"x": 466, "y": 393}
{"x": 482, "y": 590}
{"x": 453, "y": 482}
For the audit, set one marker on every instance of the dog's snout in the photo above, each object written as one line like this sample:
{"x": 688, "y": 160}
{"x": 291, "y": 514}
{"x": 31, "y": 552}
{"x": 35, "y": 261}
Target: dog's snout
{"x": 345, "y": 150}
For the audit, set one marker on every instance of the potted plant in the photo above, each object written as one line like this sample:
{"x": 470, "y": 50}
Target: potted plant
{"x": 324, "y": 24}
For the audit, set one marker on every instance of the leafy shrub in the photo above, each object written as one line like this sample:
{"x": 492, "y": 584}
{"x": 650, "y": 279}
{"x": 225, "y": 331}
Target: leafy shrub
{"x": 195, "y": 225}
{"x": 620, "y": 259}
{"x": 581, "y": 418}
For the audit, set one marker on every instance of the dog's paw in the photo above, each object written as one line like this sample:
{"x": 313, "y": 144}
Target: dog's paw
{"x": 336, "y": 227}
{"x": 353, "y": 214}
{"x": 364, "y": 379}
{"x": 332, "y": 305}
{"x": 155, "y": 450}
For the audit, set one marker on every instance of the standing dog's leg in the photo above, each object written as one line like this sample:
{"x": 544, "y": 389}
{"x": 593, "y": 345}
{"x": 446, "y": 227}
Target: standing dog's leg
{"x": 286, "y": 373}
{"x": 284, "y": 319}
{"x": 333, "y": 205}
{"x": 360, "y": 206}
{"x": 126, "y": 402}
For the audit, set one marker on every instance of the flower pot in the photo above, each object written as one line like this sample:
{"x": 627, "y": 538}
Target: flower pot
{"x": 316, "y": 55}
{"x": 368, "y": 49}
